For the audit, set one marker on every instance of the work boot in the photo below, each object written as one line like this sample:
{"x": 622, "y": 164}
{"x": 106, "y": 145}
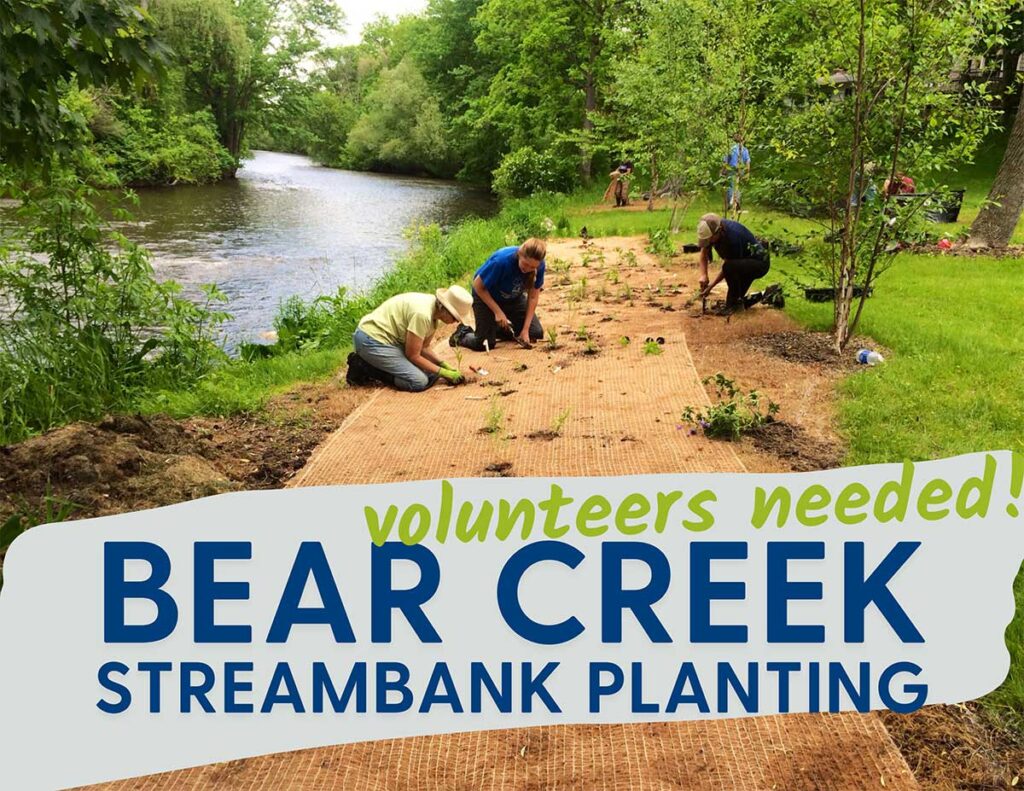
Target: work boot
{"x": 358, "y": 373}
{"x": 460, "y": 332}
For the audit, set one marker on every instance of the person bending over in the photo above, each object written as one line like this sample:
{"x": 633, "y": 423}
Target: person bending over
{"x": 392, "y": 344}
{"x": 506, "y": 290}
{"x": 744, "y": 259}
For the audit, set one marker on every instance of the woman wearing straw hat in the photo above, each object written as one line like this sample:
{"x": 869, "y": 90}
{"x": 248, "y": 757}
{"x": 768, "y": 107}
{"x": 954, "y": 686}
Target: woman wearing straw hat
{"x": 392, "y": 344}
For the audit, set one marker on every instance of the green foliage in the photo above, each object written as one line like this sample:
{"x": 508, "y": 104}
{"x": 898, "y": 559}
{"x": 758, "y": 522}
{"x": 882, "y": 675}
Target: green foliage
{"x": 659, "y": 242}
{"x": 402, "y": 129}
{"x": 852, "y": 100}
{"x": 87, "y": 326}
{"x": 653, "y": 348}
{"x": 735, "y": 412}
{"x": 330, "y": 119}
{"x": 527, "y": 171}
{"x": 48, "y": 45}
{"x": 145, "y": 147}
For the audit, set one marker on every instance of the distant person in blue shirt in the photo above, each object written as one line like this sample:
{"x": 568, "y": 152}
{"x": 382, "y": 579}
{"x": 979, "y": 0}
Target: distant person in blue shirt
{"x": 506, "y": 290}
{"x": 736, "y": 166}
{"x": 744, "y": 259}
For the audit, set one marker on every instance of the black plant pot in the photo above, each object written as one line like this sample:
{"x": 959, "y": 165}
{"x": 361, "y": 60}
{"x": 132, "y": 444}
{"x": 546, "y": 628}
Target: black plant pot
{"x": 829, "y": 294}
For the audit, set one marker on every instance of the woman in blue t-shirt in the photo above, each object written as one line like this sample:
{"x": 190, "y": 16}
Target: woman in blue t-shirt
{"x": 506, "y": 290}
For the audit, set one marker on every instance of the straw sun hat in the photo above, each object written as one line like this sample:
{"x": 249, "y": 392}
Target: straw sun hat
{"x": 456, "y": 300}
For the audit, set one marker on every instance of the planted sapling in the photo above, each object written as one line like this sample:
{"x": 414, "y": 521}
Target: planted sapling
{"x": 734, "y": 414}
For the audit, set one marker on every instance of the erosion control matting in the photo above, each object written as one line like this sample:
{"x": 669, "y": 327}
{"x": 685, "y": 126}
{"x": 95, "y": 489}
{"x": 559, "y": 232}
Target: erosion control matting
{"x": 594, "y": 405}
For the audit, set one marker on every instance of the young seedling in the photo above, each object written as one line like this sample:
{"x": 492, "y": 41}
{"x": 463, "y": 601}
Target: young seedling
{"x": 494, "y": 417}
{"x": 580, "y": 289}
{"x": 590, "y": 347}
{"x": 624, "y": 341}
{"x": 629, "y": 258}
{"x": 583, "y": 334}
{"x": 652, "y": 348}
{"x": 458, "y": 358}
{"x": 626, "y": 293}
{"x": 613, "y": 277}
{"x": 552, "y": 338}
{"x": 559, "y": 422}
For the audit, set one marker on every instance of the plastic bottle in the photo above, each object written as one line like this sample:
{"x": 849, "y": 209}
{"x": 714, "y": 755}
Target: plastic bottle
{"x": 869, "y": 357}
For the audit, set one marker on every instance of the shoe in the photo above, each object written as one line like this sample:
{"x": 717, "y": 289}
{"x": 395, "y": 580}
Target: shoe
{"x": 460, "y": 332}
{"x": 359, "y": 372}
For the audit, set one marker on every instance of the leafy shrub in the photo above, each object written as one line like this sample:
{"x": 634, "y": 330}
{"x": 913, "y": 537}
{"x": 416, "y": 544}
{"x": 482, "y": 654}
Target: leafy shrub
{"x": 87, "y": 327}
{"x": 659, "y": 243}
{"x": 526, "y": 171}
{"x": 734, "y": 414}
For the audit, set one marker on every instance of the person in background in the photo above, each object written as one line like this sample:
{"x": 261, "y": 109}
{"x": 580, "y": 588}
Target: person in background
{"x": 506, "y": 291}
{"x": 620, "y": 184}
{"x": 735, "y": 166}
{"x": 392, "y": 343}
{"x": 744, "y": 259}
{"x": 901, "y": 184}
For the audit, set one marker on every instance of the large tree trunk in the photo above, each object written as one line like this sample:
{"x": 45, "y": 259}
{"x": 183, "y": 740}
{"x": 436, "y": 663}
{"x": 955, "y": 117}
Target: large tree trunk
{"x": 998, "y": 218}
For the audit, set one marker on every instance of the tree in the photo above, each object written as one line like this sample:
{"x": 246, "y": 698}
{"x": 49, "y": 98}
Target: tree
{"x": 554, "y": 58}
{"x": 241, "y": 56}
{"x": 859, "y": 93}
{"x": 402, "y": 129}
{"x": 46, "y": 46}
{"x": 995, "y": 223}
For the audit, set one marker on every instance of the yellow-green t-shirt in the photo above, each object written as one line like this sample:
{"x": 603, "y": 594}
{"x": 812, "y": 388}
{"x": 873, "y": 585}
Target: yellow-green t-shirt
{"x": 399, "y": 315}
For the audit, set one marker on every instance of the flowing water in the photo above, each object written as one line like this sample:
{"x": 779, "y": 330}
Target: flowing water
{"x": 286, "y": 226}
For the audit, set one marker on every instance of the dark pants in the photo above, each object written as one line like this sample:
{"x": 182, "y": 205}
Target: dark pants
{"x": 739, "y": 274}
{"x": 487, "y": 327}
{"x": 621, "y": 194}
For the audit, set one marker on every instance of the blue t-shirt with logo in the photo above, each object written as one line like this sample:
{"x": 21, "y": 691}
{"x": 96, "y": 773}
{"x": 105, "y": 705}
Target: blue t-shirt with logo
{"x": 504, "y": 279}
{"x": 737, "y": 242}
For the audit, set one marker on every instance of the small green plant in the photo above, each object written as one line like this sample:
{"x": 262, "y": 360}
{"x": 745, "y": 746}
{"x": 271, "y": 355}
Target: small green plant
{"x": 652, "y": 348}
{"x": 626, "y": 293}
{"x": 583, "y": 334}
{"x": 659, "y": 243}
{"x": 628, "y": 258}
{"x": 552, "y": 338}
{"x": 458, "y": 358}
{"x": 613, "y": 276}
{"x": 494, "y": 417}
{"x": 579, "y": 291}
{"x": 624, "y": 340}
{"x": 591, "y": 347}
{"x": 735, "y": 412}
{"x": 602, "y": 293}
{"x": 559, "y": 422}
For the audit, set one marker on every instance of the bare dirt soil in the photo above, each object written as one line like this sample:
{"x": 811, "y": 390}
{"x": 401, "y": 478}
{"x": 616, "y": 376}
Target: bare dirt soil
{"x": 131, "y": 462}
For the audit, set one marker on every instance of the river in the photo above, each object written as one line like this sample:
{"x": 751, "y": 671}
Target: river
{"x": 287, "y": 226}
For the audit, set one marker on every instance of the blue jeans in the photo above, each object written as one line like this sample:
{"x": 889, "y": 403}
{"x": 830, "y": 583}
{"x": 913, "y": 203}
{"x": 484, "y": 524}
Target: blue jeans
{"x": 391, "y": 360}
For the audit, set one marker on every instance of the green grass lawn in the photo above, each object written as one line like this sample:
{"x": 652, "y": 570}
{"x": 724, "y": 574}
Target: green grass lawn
{"x": 952, "y": 384}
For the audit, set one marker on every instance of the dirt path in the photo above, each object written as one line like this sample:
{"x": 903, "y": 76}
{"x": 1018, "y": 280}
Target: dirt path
{"x": 595, "y": 405}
